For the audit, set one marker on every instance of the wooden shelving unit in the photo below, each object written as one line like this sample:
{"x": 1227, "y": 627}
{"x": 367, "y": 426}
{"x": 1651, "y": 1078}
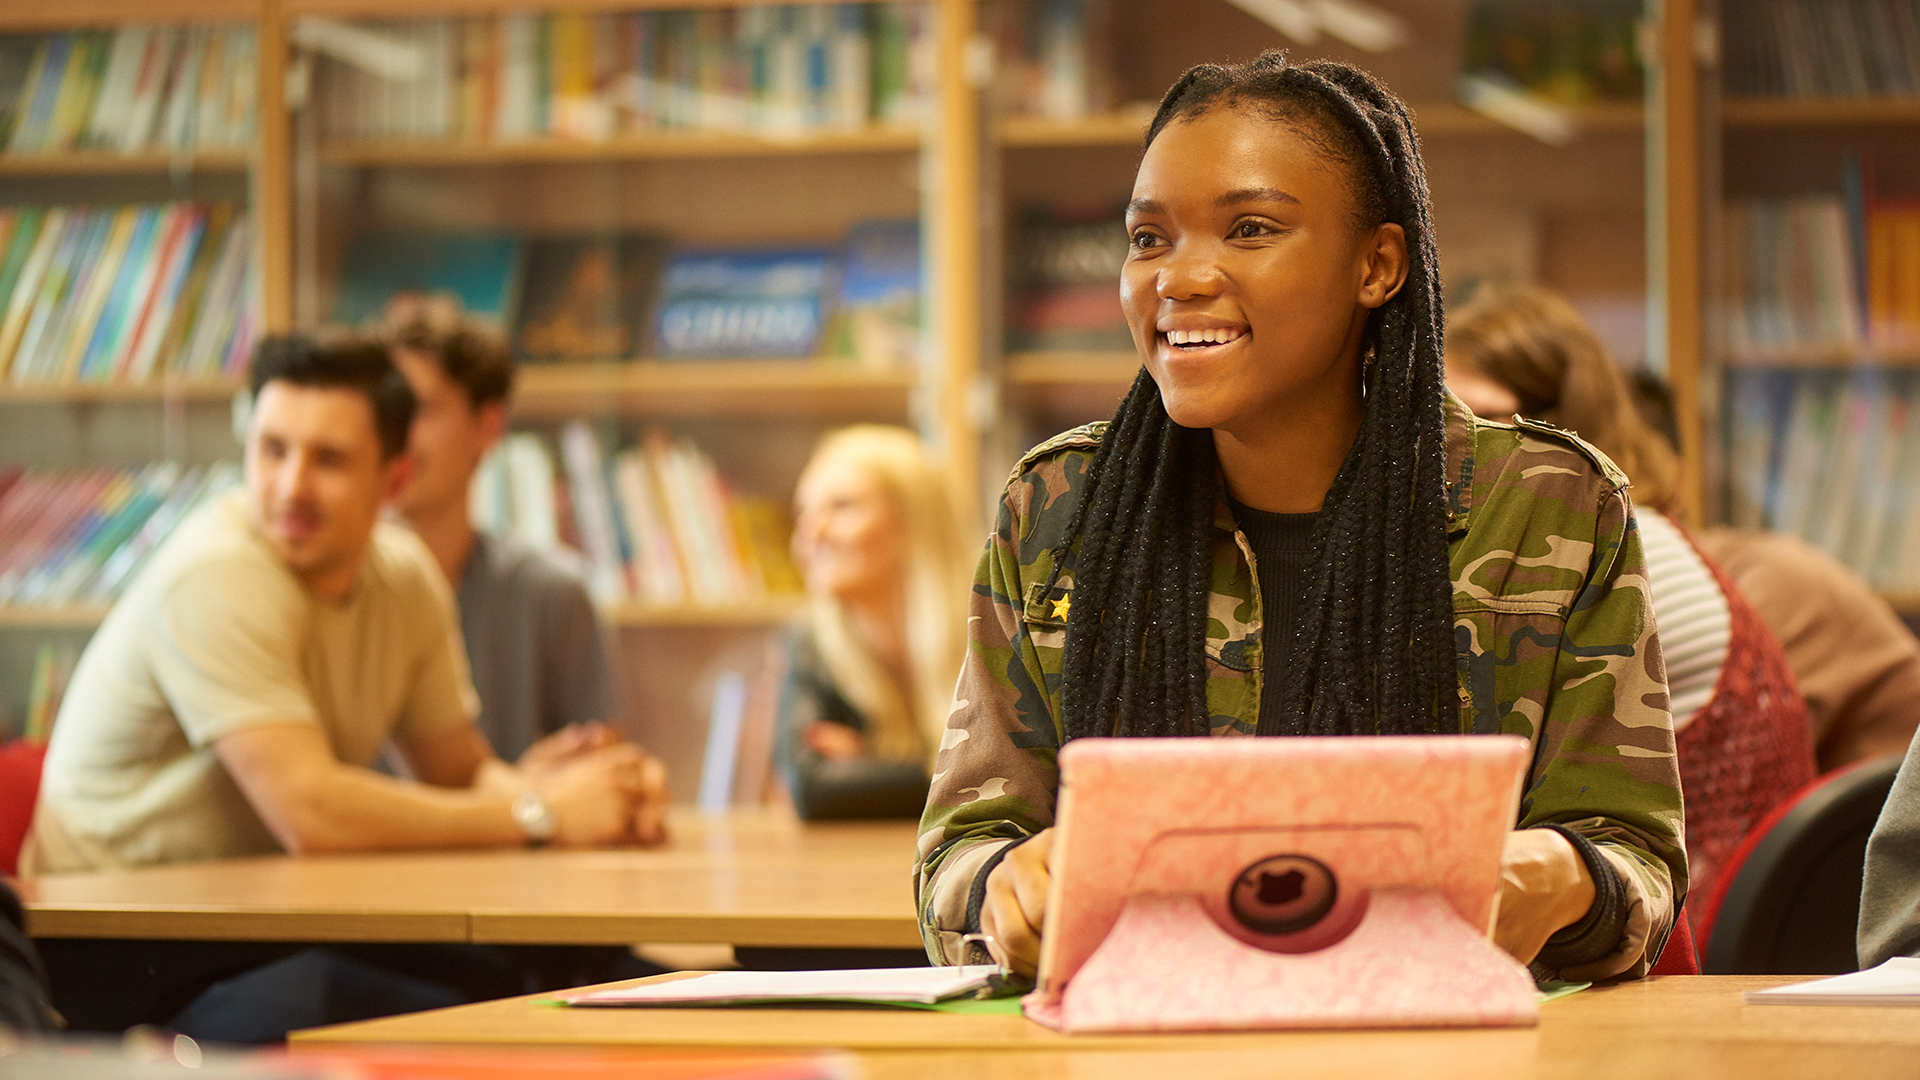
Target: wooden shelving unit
{"x": 1439, "y": 119}
{"x": 741, "y": 388}
{"x": 25, "y": 17}
{"x": 657, "y": 146}
{"x": 1827, "y": 357}
{"x": 1749, "y": 113}
{"x": 93, "y": 162}
{"x": 154, "y": 391}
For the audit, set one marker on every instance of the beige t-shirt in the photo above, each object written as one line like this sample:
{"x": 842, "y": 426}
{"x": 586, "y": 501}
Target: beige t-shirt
{"x": 216, "y": 635}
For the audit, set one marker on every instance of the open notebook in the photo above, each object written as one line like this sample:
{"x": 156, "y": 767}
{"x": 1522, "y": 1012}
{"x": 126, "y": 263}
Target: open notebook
{"x": 1896, "y": 982}
{"x": 885, "y": 986}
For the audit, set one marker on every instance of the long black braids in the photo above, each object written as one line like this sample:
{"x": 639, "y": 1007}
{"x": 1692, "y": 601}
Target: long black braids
{"x": 1375, "y": 645}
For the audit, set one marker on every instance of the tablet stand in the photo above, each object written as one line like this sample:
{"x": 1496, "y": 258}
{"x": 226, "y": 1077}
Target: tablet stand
{"x": 1410, "y": 961}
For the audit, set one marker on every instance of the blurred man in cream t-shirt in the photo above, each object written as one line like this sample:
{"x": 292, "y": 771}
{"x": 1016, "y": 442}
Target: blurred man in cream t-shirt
{"x": 232, "y": 700}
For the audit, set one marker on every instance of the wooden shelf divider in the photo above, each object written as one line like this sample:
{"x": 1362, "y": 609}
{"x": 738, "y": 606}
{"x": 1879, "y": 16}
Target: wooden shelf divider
{"x": 652, "y": 146}
{"x": 156, "y": 390}
{"x": 1825, "y": 357}
{"x": 710, "y": 387}
{"x": 1439, "y": 119}
{"x": 91, "y": 162}
{"x": 21, "y": 16}
{"x": 1819, "y": 112}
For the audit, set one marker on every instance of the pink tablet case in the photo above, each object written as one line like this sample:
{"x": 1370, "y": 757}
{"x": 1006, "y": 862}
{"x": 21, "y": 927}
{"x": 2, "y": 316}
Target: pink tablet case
{"x": 1154, "y": 834}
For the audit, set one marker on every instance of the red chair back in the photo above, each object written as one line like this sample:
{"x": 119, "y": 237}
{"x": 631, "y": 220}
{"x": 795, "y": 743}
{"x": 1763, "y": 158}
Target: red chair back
{"x": 20, "y": 763}
{"x": 1679, "y": 957}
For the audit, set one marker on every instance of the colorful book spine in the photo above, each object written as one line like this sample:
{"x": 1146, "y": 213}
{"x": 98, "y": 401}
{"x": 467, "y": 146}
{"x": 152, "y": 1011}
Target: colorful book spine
{"x": 69, "y": 537}
{"x": 123, "y": 294}
{"x": 135, "y": 88}
{"x": 657, "y": 522}
{"x": 590, "y": 76}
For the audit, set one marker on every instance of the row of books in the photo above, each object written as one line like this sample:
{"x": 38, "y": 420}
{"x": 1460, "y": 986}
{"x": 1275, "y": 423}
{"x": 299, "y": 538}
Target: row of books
{"x": 1823, "y": 48}
{"x": 594, "y": 76}
{"x": 138, "y": 87}
{"x": 655, "y": 522}
{"x": 1053, "y": 58}
{"x": 78, "y": 536}
{"x": 120, "y": 294}
{"x": 53, "y": 663}
{"x": 1833, "y": 458}
{"x": 1566, "y": 53}
{"x": 1820, "y": 272}
{"x": 617, "y": 295}
{"x": 1063, "y": 282}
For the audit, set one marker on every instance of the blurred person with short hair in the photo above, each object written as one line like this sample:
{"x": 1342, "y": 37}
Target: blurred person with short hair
{"x": 233, "y": 700}
{"x": 535, "y": 645}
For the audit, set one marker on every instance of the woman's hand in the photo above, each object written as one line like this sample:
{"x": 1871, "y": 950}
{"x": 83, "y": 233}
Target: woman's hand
{"x": 1544, "y": 888}
{"x": 1015, "y": 911}
{"x": 835, "y": 742}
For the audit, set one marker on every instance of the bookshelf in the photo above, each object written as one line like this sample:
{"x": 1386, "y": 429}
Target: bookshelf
{"x": 1806, "y": 390}
{"x": 1582, "y": 218}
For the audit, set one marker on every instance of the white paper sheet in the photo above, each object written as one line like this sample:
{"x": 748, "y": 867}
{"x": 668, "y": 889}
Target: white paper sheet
{"x": 1896, "y": 982}
{"x": 920, "y": 986}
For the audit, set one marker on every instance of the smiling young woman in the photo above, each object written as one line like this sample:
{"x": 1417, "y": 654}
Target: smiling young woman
{"x": 1290, "y": 528}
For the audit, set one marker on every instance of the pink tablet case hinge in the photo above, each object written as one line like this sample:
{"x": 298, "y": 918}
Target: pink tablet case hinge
{"x": 1411, "y": 961}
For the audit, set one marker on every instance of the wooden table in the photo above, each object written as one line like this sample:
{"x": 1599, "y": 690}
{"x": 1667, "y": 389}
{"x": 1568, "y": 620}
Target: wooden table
{"x": 750, "y": 878}
{"x": 1687, "y": 1028}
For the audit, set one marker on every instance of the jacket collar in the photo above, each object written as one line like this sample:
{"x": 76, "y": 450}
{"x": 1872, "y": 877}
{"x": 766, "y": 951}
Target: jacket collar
{"x": 1460, "y": 425}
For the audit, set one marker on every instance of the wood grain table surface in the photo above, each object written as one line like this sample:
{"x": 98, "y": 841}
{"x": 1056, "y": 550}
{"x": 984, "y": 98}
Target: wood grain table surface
{"x": 747, "y": 878}
{"x": 1691, "y": 1027}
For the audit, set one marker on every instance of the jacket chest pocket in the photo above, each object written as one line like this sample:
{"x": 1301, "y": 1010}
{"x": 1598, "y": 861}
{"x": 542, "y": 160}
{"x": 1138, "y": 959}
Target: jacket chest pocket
{"x": 1045, "y": 612}
{"x": 1506, "y": 661}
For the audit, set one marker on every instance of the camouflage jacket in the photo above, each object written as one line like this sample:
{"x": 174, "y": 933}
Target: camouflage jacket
{"x": 1557, "y": 644}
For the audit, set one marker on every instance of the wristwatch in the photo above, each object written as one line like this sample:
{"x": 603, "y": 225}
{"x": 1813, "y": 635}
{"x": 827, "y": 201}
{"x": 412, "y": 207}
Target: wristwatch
{"x": 534, "y": 817}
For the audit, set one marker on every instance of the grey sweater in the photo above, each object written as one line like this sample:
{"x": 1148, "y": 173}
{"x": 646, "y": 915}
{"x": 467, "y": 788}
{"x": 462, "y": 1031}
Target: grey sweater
{"x": 1890, "y": 896}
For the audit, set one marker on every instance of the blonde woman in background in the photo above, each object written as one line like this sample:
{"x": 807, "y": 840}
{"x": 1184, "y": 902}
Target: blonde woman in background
{"x": 1740, "y": 726}
{"x": 872, "y": 669}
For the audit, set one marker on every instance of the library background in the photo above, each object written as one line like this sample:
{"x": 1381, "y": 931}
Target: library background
{"x": 716, "y": 230}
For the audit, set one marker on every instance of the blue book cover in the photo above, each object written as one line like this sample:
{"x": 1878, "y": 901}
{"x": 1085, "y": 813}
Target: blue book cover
{"x": 744, "y": 303}
{"x": 876, "y": 321}
{"x": 482, "y": 270}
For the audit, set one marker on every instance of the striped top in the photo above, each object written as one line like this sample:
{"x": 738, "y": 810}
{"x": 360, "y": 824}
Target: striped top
{"x": 1691, "y": 613}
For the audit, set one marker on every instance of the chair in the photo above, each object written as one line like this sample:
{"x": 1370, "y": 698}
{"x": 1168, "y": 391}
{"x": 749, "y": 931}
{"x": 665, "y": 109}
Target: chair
{"x": 20, "y": 763}
{"x": 1678, "y": 956}
{"x": 1788, "y": 901}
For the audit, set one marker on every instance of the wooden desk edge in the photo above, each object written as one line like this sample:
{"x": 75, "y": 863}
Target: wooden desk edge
{"x": 500, "y": 1024}
{"x": 742, "y": 928}
{"x": 218, "y": 924}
